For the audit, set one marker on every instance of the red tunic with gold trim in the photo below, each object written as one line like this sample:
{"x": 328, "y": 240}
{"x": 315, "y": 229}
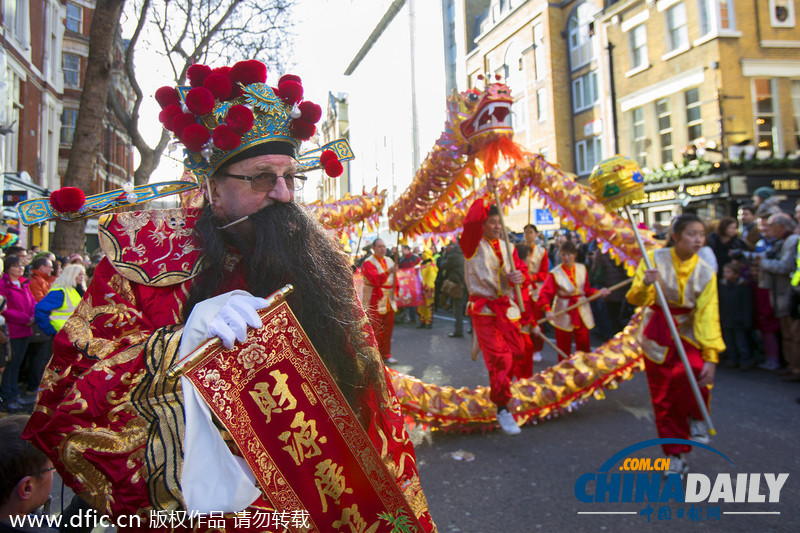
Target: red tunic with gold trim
{"x": 495, "y": 315}
{"x": 538, "y": 269}
{"x": 379, "y": 299}
{"x": 110, "y": 418}
{"x": 565, "y": 287}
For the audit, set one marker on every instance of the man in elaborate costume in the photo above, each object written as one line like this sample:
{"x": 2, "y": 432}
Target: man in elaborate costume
{"x": 130, "y": 436}
{"x": 379, "y": 270}
{"x": 489, "y": 274}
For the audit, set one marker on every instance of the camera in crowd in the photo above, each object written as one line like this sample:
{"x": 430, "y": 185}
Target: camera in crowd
{"x": 746, "y": 256}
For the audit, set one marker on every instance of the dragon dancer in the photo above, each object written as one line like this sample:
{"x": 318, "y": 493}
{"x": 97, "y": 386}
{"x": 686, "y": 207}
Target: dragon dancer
{"x": 538, "y": 269}
{"x": 567, "y": 285}
{"x": 489, "y": 274}
{"x": 690, "y": 287}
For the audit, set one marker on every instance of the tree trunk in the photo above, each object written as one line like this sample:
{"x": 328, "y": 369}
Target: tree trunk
{"x": 149, "y": 158}
{"x": 69, "y": 237}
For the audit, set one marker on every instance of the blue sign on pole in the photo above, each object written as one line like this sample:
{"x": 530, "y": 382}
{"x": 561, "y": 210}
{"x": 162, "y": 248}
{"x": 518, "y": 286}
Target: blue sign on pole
{"x": 544, "y": 217}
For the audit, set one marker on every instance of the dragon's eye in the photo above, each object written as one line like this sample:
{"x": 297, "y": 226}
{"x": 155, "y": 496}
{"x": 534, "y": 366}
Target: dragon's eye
{"x": 473, "y": 97}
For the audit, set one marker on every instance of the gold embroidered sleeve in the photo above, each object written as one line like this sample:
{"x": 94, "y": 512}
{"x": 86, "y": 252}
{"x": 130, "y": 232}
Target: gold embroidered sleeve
{"x": 640, "y": 294}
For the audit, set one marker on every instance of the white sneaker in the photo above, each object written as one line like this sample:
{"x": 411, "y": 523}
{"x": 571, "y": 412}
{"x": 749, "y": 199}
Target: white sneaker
{"x": 537, "y": 356}
{"x": 507, "y": 423}
{"x": 698, "y": 431}
{"x": 677, "y": 465}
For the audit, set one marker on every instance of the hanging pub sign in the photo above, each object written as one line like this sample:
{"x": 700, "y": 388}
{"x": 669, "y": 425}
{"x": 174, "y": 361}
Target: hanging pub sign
{"x": 14, "y": 197}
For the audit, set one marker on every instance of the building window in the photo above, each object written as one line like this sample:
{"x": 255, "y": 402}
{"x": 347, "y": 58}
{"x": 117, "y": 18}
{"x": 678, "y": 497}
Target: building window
{"x": 519, "y": 115}
{"x": 581, "y": 36}
{"x": 715, "y": 16}
{"x": 74, "y": 17}
{"x": 68, "y": 120}
{"x": 588, "y": 154}
{"x": 638, "y": 44}
{"x": 541, "y": 105}
{"x": 16, "y": 19}
{"x": 765, "y": 114}
{"x": 781, "y": 13}
{"x": 639, "y": 139}
{"x": 664, "y": 129}
{"x": 677, "y": 33}
{"x": 694, "y": 116}
{"x": 72, "y": 69}
{"x": 539, "y": 51}
{"x": 13, "y": 105}
{"x": 796, "y": 109}
{"x": 584, "y": 91}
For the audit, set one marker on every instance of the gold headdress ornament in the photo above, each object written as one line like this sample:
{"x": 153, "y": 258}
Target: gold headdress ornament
{"x": 227, "y": 114}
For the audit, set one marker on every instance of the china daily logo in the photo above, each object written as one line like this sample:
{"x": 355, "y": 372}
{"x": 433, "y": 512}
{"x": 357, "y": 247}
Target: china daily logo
{"x": 623, "y": 479}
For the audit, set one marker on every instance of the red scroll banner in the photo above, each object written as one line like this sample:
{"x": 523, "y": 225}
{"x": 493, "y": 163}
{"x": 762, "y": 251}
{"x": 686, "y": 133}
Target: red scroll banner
{"x": 295, "y": 429}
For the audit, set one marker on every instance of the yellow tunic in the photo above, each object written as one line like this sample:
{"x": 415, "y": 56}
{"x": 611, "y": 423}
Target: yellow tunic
{"x": 676, "y": 275}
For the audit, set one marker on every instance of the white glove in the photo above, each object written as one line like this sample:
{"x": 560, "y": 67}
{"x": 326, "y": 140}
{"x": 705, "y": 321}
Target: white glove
{"x": 230, "y": 323}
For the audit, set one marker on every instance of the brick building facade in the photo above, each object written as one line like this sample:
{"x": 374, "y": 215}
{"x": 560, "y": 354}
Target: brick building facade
{"x": 42, "y": 61}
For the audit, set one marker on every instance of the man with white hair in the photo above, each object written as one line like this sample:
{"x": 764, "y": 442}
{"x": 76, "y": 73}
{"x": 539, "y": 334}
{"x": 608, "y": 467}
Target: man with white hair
{"x": 775, "y": 272}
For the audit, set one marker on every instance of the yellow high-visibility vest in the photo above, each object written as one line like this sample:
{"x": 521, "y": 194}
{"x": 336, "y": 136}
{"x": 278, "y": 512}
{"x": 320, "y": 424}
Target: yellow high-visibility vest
{"x": 796, "y": 275}
{"x": 58, "y": 317}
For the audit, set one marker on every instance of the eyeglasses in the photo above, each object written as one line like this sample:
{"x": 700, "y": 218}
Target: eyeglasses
{"x": 266, "y": 181}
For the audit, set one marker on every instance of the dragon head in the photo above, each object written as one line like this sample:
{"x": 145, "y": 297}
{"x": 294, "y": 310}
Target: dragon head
{"x": 475, "y": 117}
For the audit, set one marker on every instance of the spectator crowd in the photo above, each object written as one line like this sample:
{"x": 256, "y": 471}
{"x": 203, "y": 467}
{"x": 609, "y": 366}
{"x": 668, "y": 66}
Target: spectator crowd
{"x": 38, "y": 293}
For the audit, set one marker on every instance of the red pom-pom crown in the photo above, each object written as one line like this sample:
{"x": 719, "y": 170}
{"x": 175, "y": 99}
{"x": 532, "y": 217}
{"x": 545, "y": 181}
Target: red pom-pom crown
{"x": 225, "y": 138}
{"x": 180, "y": 122}
{"x": 334, "y": 168}
{"x": 247, "y": 72}
{"x": 302, "y": 130}
{"x": 327, "y": 155}
{"x": 67, "y": 199}
{"x": 194, "y": 137}
{"x": 197, "y": 74}
{"x": 200, "y": 101}
{"x": 168, "y": 115}
{"x": 219, "y": 85}
{"x": 222, "y": 84}
{"x": 240, "y": 119}
{"x": 291, "y": 91}
{"x": 166, "y": 96}
{"x": 310, "y": 111}
{"x": 290, "y": 77}
{"x": 225, "y": 71}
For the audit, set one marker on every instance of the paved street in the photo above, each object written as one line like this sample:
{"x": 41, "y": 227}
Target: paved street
{"x": 526, "y": 483}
